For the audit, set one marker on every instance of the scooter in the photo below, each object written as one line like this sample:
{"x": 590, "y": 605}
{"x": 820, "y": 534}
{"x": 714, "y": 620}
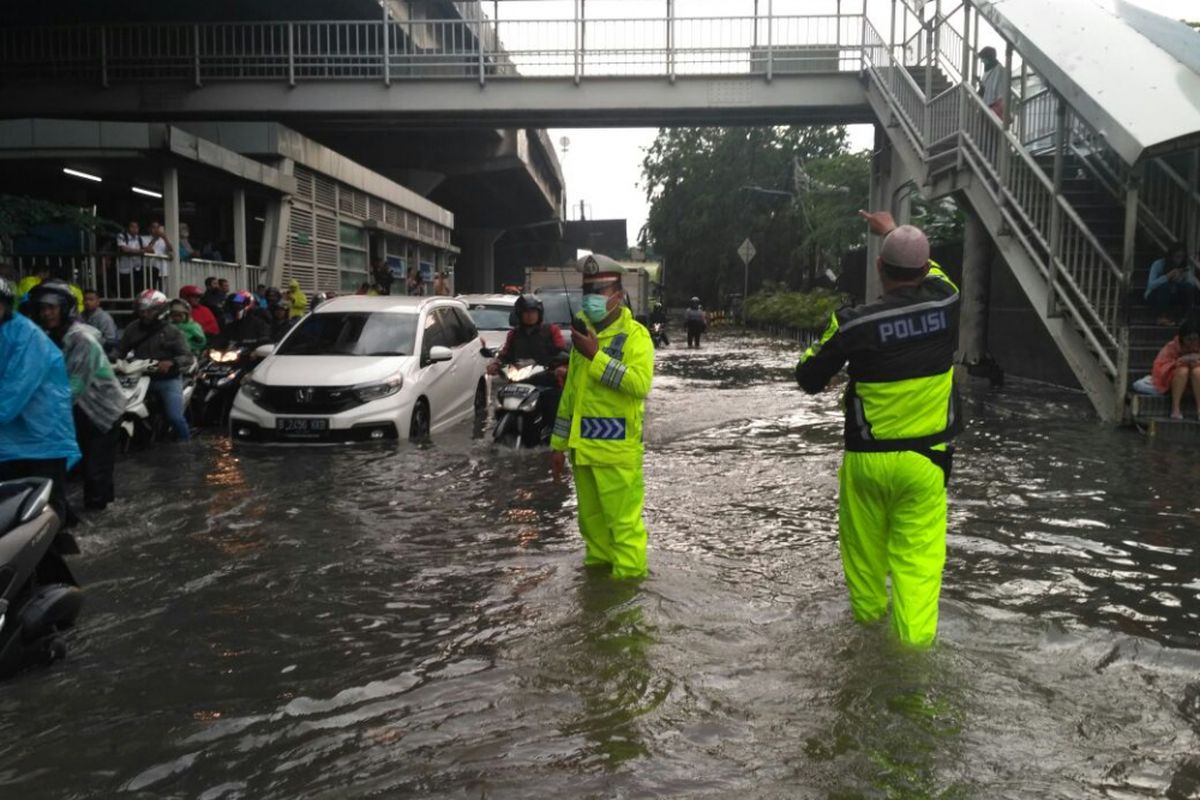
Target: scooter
{"x": 519, "y": 423}
{"x": 39, "y": 598}
{"x": 134, "y": 377}
{"x": 217, "y": 382}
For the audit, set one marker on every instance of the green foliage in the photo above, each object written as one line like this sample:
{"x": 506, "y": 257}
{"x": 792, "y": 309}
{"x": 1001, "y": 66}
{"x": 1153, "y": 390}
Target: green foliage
{"x": 942, "y": 220}
{"x": 711, "y": 188}
{"x": 803, "y": 310}
{"x": 19, "y": 215}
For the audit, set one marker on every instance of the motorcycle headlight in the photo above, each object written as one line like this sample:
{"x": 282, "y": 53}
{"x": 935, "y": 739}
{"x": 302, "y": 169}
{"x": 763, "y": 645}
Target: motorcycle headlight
{"x": 253, "y": 389}
{"x": 366, "y": 392}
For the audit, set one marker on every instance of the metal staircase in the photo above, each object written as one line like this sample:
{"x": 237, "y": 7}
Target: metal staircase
{"x": 1077, "y": 224}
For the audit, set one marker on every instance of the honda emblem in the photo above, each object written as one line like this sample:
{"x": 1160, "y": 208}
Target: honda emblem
{"x": 304, "y": 395}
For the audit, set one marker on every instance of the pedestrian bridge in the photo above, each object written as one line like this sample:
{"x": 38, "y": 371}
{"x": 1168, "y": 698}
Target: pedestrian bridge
{"x": 1077, "y": 184}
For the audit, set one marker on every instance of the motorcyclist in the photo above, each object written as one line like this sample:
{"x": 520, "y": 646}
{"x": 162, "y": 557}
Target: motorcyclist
{"x": 533, "y": 339}
{"x": 281, "y": 323}
{"x": 658, "y": 316}
{"x": 696, "y": 322}
{"x": 246, "y": 325}
{"x": 37, "y": 433}
{"x": 150, "y": 336}
{"x": 96, "y": 394}
{"x": 181, "y": 317}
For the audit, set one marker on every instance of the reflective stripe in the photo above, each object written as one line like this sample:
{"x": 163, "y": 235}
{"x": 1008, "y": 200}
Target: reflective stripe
{"x": 614, "y": 373}
{"x": 830, "y": 330}
{"x": 609, "y": 428}
{"x": 562, "y": 427}
{"x": 901, "y": 311}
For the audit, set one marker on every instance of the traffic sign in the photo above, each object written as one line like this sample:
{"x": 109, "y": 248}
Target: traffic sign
{"x": 747, "y": 251}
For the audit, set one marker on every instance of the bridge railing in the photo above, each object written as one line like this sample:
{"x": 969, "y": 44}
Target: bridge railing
{"x": 298, "y": 51}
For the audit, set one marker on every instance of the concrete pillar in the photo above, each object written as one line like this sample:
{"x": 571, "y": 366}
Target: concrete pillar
{"x": 276, "y": 223}
{"x": 239, "y": 226}
{"x": 172, "y": 283}
{"x": 476, "y": 267}
{"x": 888, "y": 192}
{"x": 976, "y": 279}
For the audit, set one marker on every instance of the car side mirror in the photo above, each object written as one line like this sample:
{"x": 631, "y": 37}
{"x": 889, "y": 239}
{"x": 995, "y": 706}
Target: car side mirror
{"x": 487, "y": 352}
{"x": 438, "y": 354}
{"x": 264, "y": 350}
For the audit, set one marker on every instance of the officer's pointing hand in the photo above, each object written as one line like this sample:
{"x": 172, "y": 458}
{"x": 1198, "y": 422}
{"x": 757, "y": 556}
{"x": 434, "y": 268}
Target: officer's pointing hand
{"x": 880, "y": 222}
{"x": 585, "y": 343}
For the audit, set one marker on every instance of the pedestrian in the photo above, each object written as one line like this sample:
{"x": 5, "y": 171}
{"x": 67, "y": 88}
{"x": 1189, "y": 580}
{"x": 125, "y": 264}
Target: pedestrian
{"x": 98, "y": 401}
{"x": 37, "y": 432}
{"x": 993, "y": 84}
{"x": 132, "y": 248}
{"x": 151, "y": 337}
{"x": 695, "y": 321}
{"x": 214, "y": 300}
{"x": 297, "y": 300}
{"x": 901, "y": 413}
{"x": 99, "y": 319}
{"x": 414, "y": 285}
{"x": 1173, "y": 287}
{"x": 382, "y": 275}
{"x": 599, "y": 421}
{"x": 441, "y": 286}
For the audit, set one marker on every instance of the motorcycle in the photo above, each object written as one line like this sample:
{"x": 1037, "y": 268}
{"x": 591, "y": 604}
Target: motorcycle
{"x": 217, "y": 382}
{"x": 519, "y": 421}
{"x": 658, "y": 334}
{"x": 142, "y": 422}
{"x": 39, "y": 597}
{"x": 134, "y": 377}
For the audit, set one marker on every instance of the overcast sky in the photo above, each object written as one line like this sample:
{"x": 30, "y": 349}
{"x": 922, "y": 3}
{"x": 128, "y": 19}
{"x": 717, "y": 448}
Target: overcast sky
{"x": 603, "y": 167}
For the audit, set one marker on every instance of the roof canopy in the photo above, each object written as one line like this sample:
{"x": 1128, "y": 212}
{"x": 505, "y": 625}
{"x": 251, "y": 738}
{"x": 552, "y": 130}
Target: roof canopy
{"x": 1133, "y": 74}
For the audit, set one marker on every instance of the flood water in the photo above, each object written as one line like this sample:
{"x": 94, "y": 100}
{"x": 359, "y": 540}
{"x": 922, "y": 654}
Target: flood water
{"x": 406, "y": 622}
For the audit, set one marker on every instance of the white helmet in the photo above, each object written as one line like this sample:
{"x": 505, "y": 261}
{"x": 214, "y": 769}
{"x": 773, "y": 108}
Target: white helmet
{"x": 152, "y": 300}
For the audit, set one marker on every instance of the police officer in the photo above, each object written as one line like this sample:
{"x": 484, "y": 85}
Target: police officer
{"x": 599, "y": 421}
{"x": 901, "y": 411}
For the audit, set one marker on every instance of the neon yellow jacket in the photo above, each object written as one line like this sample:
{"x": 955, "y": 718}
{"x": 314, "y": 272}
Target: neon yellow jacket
{"x": 603, "y": 402}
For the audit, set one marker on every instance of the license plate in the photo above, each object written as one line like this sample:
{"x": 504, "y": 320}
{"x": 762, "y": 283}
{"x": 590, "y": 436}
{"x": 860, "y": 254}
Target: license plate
{"x": 300, "y": 426}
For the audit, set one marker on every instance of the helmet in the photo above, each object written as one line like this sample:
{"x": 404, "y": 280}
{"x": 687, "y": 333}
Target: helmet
{"x": 8, "y": 296}
{"x": 190, "y": 291}
{"x": 57, "y": 293}
{"x": 694, "y": 302}
{"x": 529, "y": 302}
{"x": 152, "y": 300}
{"x": 180, "y": 306}
{"x": 239, "y": 302}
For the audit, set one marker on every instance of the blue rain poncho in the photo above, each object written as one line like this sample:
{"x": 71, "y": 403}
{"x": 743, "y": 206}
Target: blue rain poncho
{"x": 35, "y": 397}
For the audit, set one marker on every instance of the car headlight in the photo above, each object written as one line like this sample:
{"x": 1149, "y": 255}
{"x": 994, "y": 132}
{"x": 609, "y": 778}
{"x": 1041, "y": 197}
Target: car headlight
{"x": 366, "y": 392}
{"x": 252, "y": 389}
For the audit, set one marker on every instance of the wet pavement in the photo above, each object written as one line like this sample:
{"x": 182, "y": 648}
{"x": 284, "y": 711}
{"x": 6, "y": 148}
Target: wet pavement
{"x": 406, "y": 622}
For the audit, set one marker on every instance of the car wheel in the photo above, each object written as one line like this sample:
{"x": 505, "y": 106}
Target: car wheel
{"x": 481, "y": 399}
{"x": 418, "y": 429}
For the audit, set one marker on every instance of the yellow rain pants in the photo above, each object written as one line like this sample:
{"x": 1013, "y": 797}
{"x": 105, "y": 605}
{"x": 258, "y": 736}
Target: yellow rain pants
{"x": 892, "y": 521}
{"x": 610, "y": 517}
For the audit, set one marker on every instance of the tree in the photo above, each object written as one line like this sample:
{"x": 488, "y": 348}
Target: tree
{"x": 711, "y": 188}
{"x": 21, "y": 216}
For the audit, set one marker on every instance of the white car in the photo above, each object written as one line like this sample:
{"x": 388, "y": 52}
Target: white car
{"x": 365, "y": 369}
{"x": 493, "y": 315}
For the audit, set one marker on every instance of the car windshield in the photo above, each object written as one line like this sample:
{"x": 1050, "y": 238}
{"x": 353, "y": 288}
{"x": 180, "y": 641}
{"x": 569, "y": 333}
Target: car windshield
{"x": 491, "y": 318}
{"x": 558, "y": 310}
{"x": 352, "y": 333}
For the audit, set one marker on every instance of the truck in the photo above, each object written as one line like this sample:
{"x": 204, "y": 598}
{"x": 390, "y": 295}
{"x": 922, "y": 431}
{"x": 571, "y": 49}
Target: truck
{"x": 550, "y": 280}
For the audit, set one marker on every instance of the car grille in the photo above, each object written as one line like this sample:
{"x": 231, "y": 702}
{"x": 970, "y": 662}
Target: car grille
{"x": 308, "y": 399}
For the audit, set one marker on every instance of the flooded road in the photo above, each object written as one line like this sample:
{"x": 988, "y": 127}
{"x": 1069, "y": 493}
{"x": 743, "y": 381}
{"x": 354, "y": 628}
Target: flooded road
{"x": 405, "y": 622}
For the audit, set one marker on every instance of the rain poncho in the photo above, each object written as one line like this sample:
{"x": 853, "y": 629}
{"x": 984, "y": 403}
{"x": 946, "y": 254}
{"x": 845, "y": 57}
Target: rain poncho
{"x": 94, "y": 385}
{"x": 296, "y": 299}
{"x": 35, "y": 403}
{"x": 599, "y": 421}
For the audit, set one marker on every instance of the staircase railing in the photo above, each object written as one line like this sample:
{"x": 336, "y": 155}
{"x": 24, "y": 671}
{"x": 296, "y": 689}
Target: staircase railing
{"x": 1087, "y": 282}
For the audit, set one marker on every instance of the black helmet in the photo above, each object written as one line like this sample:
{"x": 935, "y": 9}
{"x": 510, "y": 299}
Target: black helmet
{"x": 8, "y": 296}
{"x": 57, "y": 293}
{"x": 529, "y": 302}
